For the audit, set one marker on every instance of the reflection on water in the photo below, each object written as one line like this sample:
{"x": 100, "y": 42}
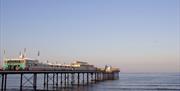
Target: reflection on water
{"x": 127, "y": 82}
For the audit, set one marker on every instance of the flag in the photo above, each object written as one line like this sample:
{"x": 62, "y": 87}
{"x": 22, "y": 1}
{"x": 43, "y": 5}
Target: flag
{"x": 19, "y": 53}
{"x": 4, "y": 52}
{"x": 24, "y": 50}
{"x": 38, "y": 53}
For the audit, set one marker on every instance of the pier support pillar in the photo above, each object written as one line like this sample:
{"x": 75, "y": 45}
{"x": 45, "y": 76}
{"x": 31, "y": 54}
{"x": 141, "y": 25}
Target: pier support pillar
{"x": 57, "y": 79}
{"x": 103, "y": 76}
{"x": 2, "y": 82}
{"x": 72, "y": 78}
{"x": 78, "y": 79}
{"x": 35, "y": 82}
{"x": 83, "y": 78}
{"x": 65, "y": 79}
{"x": 47, "y": 80}
{"x": 44, "y": 84}
{"x": 87, "y": 78}
{"x": 91, "y": 77}
{"x": 53, "y": 79}
{"x": 95, "y": 78}
{"x": 21, "y": 80}
{"x": 5, "y": 81}
{"x": 61, "y": 79}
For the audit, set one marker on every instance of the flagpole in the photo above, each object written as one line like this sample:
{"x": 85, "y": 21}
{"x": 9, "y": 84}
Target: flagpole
{"x": 24, "y": 53}
{"x": 38, "y": 56}
{"x": 4, "y": 52}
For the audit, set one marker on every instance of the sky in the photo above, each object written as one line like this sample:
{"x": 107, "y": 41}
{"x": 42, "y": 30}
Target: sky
{"x": 134, "y": 35}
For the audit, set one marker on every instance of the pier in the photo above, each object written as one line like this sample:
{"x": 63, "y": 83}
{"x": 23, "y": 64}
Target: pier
{"x": 53, "y": 80}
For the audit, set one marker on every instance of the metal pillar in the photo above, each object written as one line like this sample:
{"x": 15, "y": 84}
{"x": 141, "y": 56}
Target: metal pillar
{"x": 95, "y": 78}
{"x": 44, "y": 80}
{"x": 72, "y": 78}
{"x": 61, "y": 79}
{"x": 35, "y": 82}
{"x": 87, "y": 78}
{"x": 91, "y": 77}
{"x": 56, "y": 79}
{"x": 53, "y": 79}
{"x": 5, "y": 82}
{"x": 2, "y": 83}
{"x": 65, "y": 79}
{"x": 83, "y": 78}
{"x": 21, "y": 81}
{"x": 78, "y": 79}
{"x": 100, "y": 77}
{"x": 103, "y": 76}
{"x": 113, "y": 75}
{"x": 47, "y": 81}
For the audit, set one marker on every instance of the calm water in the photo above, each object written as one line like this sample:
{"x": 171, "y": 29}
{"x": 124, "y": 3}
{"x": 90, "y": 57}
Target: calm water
{"x": 127, "y": 82}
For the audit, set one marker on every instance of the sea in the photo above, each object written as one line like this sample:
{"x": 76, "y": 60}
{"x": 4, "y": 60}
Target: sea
{"x": 126, "y": 82}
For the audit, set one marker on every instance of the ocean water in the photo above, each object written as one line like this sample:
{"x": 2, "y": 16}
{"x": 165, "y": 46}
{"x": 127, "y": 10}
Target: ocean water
{"x": 142, "y": 82}
{"x": 126, "y": 82}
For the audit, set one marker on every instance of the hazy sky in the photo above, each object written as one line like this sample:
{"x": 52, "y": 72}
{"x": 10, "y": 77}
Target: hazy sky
{"x": 134, "y": 35}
